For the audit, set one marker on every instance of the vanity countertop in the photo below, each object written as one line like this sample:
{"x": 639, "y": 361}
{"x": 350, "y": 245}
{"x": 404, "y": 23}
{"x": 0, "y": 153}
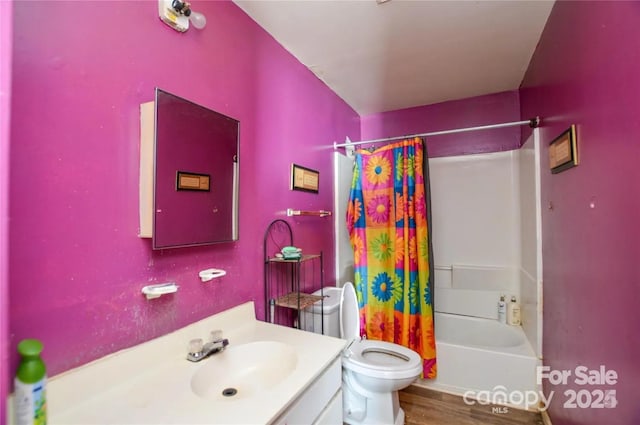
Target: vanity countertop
{"x": 151, "y": 382}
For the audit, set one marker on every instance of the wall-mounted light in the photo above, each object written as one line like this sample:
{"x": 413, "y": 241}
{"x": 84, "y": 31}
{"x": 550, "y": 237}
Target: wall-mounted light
{"x": 178, "y": 13}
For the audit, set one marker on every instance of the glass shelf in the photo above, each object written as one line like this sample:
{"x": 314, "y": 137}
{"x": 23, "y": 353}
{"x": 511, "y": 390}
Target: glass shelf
{"x": 305, "y": 257}
{"x": 297, "y": 300}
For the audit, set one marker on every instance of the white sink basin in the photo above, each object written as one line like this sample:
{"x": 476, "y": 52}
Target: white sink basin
{"x": 269, "y": 366}
{"x": 244, "y": 370}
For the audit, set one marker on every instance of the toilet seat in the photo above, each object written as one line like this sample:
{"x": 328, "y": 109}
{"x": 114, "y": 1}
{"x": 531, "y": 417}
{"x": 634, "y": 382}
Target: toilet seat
{"x": 379, "y": 359}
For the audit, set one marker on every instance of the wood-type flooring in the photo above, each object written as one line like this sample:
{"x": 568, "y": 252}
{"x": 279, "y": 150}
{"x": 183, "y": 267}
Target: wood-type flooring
{"x": 427, "y": 407}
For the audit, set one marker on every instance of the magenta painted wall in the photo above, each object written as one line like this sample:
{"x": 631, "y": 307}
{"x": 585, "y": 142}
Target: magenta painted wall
{"x": 585, "y": 72}
{"x": 476, "y": 111}
{"x": 80, "y": 71}
{"x": 5, "y": 116}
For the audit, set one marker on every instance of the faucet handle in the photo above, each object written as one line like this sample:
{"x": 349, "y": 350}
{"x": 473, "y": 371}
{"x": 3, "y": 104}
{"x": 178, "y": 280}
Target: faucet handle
{"x": 196, "y": 346}
{"x": 216, "y": 335}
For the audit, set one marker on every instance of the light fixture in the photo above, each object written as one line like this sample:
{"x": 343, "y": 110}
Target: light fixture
{"x": 178, "y": 13}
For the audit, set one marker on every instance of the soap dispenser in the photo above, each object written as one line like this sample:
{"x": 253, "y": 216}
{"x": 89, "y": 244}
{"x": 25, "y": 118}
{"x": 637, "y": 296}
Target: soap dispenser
{"x": 502, "y": 310}
{"x": 513, "y": 312}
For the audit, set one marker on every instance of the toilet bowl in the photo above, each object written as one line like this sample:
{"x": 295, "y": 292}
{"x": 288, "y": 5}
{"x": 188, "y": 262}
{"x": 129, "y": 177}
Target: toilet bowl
{"x": 372, "y": 371}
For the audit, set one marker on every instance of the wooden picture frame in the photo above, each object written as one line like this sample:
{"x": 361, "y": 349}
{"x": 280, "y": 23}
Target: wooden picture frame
{"x": 563, "y": 151}
{"x": 304, "y": 179}
{"x": 193, "y": 181}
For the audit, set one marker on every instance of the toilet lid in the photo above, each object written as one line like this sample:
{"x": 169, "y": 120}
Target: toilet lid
{"x": 349, "y": 314}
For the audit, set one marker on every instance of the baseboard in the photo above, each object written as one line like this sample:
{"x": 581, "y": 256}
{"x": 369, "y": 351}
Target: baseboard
{"x": 430, "y": 384}
{"x": 546, "y": 420}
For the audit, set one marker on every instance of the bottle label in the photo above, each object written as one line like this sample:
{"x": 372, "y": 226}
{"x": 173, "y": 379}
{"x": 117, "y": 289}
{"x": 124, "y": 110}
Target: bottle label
{"x": 30, "y": 402}
{"x": 516, "y": 316}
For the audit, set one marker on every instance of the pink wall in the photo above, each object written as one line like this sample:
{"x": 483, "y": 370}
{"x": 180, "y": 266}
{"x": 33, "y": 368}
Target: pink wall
{"x": 80, "y": 70}
{"x": 476, "y": 111}
{"x": 5, "y": 115}
{"x": 585, "y": 72}
{"x": 76, "y": 266}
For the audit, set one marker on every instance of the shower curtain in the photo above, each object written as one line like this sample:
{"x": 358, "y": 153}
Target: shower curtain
{"x": 388, "y": 222}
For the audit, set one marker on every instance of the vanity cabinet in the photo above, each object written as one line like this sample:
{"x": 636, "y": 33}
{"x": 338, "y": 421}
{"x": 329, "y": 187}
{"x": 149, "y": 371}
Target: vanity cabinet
{"x": 293, "y": 287}
{"x": 320, "y": 403}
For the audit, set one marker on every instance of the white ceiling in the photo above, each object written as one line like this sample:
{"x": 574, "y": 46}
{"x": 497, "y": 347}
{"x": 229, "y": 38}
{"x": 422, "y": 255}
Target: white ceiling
{"x": 382, "y": 57}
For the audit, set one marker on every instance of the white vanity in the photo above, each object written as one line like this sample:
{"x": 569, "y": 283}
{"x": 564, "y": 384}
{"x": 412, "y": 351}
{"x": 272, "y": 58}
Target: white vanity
{"x": 268, "y": 374}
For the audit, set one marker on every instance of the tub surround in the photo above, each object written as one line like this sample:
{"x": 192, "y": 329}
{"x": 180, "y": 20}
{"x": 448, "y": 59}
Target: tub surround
{"x": 531, "y": 241}
{"x": 152, "y": 382}
{"x": 475, "y": 206}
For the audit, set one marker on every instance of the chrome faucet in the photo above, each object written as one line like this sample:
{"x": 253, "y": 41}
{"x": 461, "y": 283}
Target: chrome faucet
{"x": 199, "y": 351}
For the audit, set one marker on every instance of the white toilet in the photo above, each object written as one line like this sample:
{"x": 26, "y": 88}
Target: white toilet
{"x": 372, "y": 371}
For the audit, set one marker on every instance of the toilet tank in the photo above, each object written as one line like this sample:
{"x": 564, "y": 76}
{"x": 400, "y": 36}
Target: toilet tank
{"x": 313, "y": 319}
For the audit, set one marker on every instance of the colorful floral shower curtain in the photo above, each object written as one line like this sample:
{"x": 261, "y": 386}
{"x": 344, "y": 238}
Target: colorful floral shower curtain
{"x": 387, "y": 218}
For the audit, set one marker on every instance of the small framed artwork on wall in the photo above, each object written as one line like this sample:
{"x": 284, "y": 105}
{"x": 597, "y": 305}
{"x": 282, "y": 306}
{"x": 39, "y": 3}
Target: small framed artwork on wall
{"x": 563, "y": 151}
{"x": 192, "y": 181}
{"x": 304, "y": 179}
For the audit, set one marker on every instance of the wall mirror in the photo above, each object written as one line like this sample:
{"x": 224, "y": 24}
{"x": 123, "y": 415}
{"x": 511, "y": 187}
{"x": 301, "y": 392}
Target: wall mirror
{"x": 195, "y": 189}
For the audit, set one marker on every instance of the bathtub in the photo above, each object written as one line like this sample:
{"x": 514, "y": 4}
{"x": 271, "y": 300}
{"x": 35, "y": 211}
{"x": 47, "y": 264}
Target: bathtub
{"x": 477, "y": 355}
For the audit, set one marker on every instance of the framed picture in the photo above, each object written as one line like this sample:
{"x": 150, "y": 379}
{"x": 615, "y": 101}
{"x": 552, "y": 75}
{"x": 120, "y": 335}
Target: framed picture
{"x": 304, "y": 179}
{"x": 193, "y": 181}
{"x": 563, "y": 151}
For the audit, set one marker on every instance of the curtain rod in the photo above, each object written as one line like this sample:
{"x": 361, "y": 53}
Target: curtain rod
{"x": 533, "y": 123}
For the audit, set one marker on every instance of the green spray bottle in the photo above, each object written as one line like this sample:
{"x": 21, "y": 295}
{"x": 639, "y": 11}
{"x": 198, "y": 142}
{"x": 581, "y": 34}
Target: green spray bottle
{"x": 30, "y": 382}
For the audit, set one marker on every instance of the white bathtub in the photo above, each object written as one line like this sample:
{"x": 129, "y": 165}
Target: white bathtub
{"x": 478, "y": 355}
